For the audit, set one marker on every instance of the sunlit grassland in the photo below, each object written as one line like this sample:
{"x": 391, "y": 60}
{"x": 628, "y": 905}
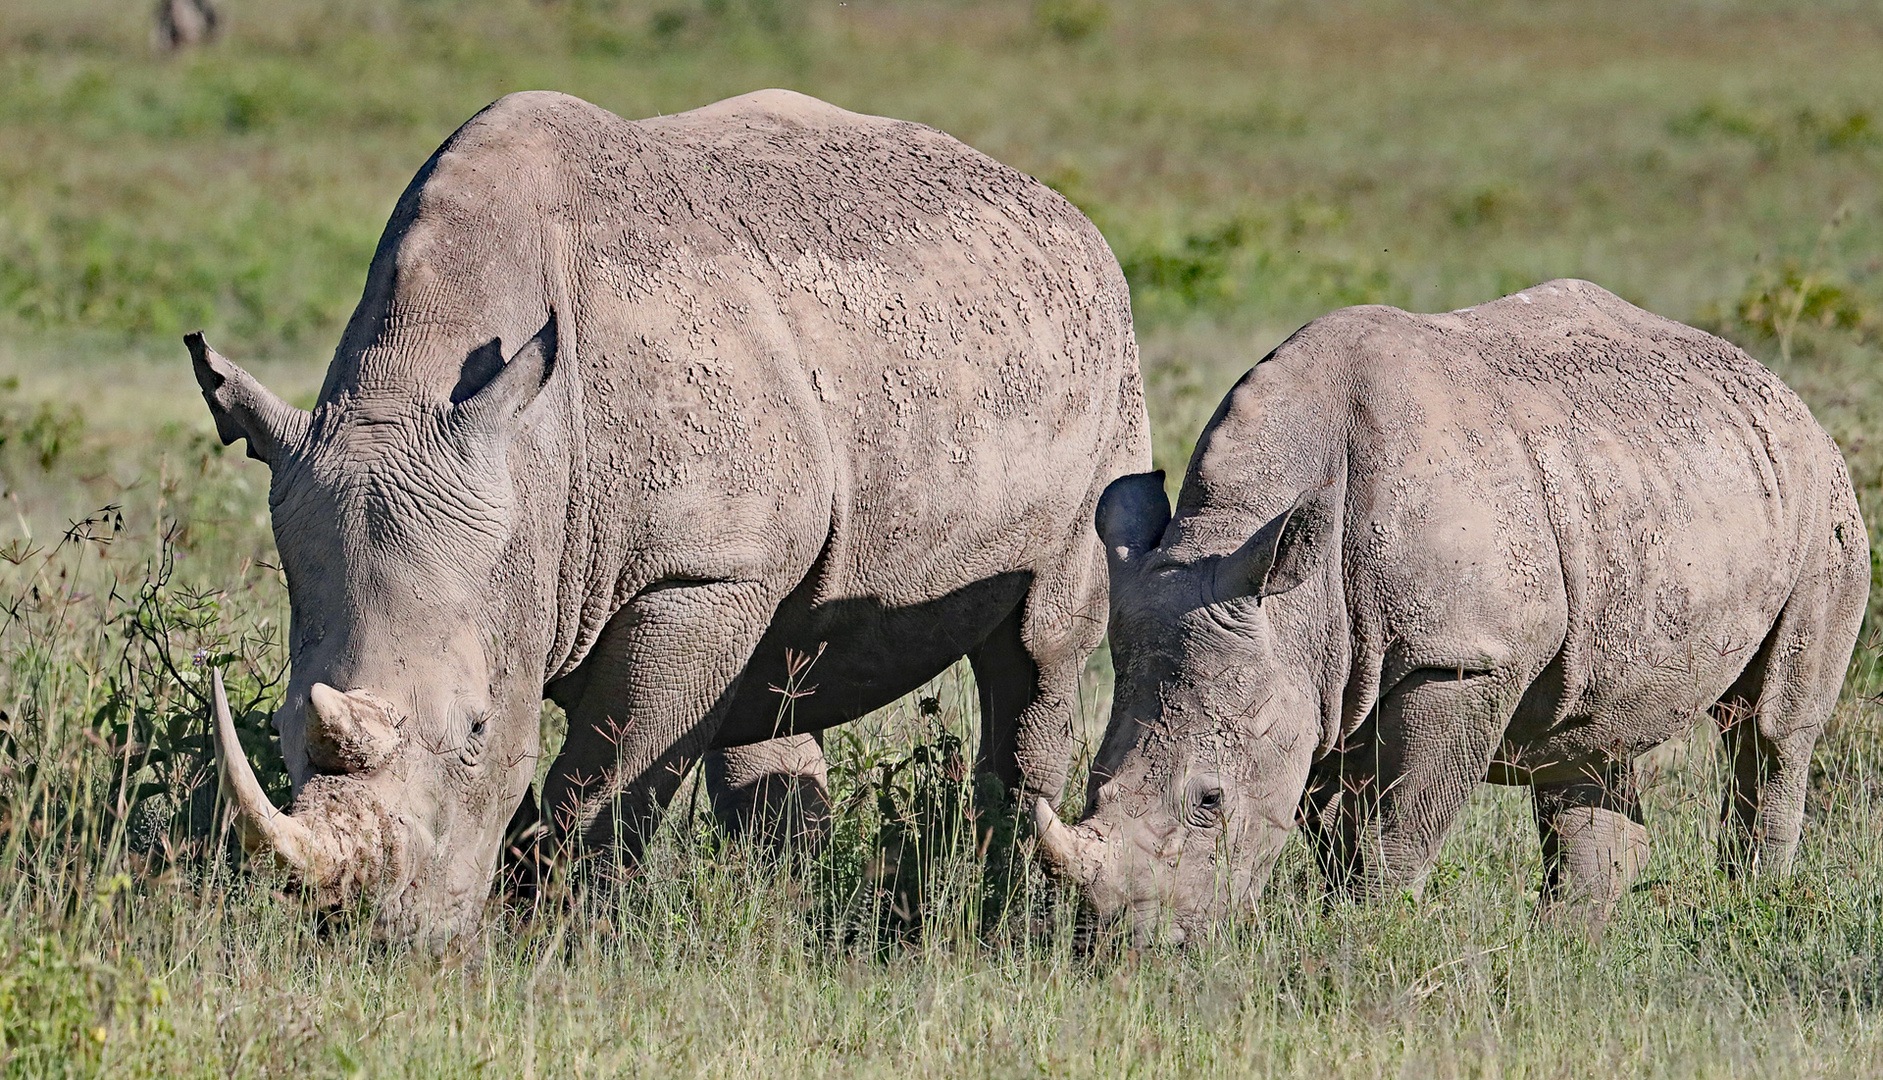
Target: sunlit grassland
{"x": 1254, "y": 165}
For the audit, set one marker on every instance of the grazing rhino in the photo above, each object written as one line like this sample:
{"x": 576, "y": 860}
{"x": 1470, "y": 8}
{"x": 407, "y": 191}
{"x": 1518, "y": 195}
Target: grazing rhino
{"x": 630, "y": 411}
{"x": 1522, "y": 543}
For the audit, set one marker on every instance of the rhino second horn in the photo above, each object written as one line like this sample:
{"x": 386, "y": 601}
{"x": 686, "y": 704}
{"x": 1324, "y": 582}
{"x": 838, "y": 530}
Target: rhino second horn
{"x": 1071, "y": 853}
{"x": 346, "y": 733}
{"x": 262, "y": 827}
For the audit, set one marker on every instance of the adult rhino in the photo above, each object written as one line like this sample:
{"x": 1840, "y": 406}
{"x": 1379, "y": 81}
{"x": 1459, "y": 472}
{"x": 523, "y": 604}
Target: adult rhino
{"x": 629, "y": 411}
{"x": 1521, "y": 543}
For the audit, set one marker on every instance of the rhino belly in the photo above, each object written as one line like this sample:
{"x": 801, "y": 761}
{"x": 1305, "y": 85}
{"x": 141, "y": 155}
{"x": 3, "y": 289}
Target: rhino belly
{"x": 863, "y": 653}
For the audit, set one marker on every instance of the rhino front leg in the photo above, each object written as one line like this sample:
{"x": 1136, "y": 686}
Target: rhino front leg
{"x": 776, "y": 792}
{"x": 660, "y": 679}
{"x": 1027, "y": 673}
{"x": 1594, "y": 842}
{"x": 1378, "y": 811}
{"x": 520, "y": 864}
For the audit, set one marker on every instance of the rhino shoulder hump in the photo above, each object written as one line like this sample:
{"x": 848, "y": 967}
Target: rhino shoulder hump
{"x": 529, "y": 111}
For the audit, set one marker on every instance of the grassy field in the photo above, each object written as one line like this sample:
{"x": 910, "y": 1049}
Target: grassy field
{"x": 1254, "y": 165}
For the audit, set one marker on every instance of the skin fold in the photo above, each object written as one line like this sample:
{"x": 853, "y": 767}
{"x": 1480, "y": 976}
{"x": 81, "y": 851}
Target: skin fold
{"x": 640, "y": 416}
{"x": 1523, "y": 543}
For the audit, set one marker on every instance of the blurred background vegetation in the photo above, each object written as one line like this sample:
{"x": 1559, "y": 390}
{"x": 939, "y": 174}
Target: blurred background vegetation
{"x": 1254, "y": 164}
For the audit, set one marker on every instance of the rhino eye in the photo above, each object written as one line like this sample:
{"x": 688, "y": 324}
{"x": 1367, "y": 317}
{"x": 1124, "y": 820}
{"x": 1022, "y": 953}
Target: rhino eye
{"x": 474, "y": 741}
{"x": 1206, "y": 803}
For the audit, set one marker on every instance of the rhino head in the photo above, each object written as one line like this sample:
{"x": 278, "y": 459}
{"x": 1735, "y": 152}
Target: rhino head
{"x": 410, "y": 721}
{"x": 1216, "y": 718}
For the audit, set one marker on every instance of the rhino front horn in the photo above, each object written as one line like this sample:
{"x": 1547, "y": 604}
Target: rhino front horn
{"x": 262, "y": 827}
{"x": 1069, "y": 852}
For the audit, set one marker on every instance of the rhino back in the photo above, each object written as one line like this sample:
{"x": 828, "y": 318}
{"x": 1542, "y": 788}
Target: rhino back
{"x": 1556, "y": 471}
{"x": 793, "y": 335}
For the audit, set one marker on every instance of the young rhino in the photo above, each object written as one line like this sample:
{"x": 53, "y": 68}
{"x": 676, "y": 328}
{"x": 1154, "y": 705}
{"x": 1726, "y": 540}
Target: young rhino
{"x": 1522, "y": 542}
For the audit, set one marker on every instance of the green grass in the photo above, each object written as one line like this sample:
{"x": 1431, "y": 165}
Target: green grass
{"x": 1254, "y": 165}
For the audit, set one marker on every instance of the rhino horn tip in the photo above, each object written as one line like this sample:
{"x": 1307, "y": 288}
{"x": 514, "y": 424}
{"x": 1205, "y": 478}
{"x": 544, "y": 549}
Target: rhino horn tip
{"x": 330, "y": 703}
{"x": 1044, "y": 816}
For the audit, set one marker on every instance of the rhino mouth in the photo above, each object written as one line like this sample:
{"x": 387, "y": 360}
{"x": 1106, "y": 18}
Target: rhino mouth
{"x": 1121, "y": 902}
{"x": 1132, "y": 926}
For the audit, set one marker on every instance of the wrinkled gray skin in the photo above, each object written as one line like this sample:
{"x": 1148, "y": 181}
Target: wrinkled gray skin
{"x": 1521, "y": 543}
{"x": 630, "y": 410}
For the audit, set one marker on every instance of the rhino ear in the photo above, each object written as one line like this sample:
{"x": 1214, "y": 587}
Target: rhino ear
{"x": 516, "y": 384}
{"x": 1131, "y": 516}
{"x": 244, "y": 408}
{"x": 1284, "y": 552}
{"x": 480, "y": 366}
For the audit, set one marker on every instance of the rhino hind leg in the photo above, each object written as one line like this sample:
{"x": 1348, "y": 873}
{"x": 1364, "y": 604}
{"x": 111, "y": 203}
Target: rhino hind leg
{"x": 1763, "y": 805}
{"x": 1594, "y": 842}
{"x": 1027, "y": 672}
{"x": 1007, "y": 682}
{"x": 775, "y": 793}
{"x": 1771, "y": 717}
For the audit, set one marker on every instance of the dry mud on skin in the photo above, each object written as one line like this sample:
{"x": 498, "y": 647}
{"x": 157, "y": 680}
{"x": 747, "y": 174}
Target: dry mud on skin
{"x": 780, "y": 378}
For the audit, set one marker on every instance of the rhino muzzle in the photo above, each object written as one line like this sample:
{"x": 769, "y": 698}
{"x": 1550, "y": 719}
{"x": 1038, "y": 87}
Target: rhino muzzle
{"x": 334, "y": 846}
